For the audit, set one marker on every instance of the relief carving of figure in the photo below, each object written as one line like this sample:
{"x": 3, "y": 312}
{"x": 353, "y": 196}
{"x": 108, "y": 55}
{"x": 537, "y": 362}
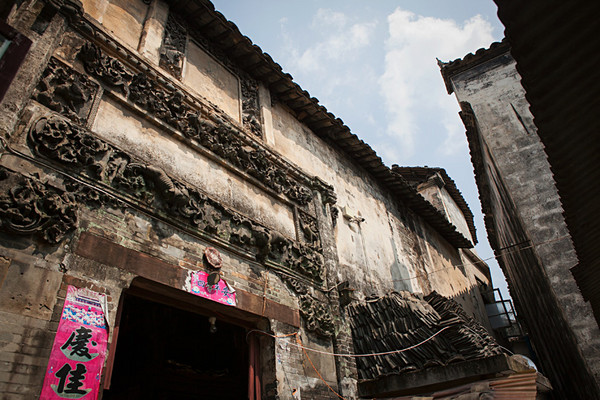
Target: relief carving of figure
{"x": 65, "y": 91}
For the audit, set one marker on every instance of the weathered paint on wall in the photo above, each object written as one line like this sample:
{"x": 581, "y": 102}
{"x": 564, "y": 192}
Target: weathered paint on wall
{"x": 376, "y": 253}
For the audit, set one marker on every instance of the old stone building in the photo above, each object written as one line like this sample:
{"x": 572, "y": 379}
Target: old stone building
{"x": 524, "y": 218}
{"x": 180, "y": 219}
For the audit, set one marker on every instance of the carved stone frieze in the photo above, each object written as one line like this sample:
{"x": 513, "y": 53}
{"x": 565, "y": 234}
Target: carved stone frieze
{"x": 172, "y": 51}
{"x": 316, "y": 314}
{"x": 91, "y": 197}
{"x": 109, "y": 70}
{"x": 251, "y": 107}
{"x": 31, "y": 207}
{"x": 304, "y": 259}
{"x": 150, "y": 188}
{"x": 215, "y": 134}
{"x": 67, "y": 144}
{"x": 65, "y": 91}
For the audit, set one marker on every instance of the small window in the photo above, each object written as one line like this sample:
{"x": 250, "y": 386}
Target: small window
{"x": 4, "y": 43}
{"x": 13, "y": 49}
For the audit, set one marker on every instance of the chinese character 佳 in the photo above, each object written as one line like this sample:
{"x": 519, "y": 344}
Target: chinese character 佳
{"x": 71, "y": 379}
{"x": 76, "y": 347}
{"x": 71, "y": 390}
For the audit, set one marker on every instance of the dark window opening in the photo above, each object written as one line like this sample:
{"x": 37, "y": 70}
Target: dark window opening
{"x": 13, "y": 49}
{"x": 169, "y": 353}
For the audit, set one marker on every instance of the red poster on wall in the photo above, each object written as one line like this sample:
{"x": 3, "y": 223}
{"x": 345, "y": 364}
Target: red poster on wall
{"x": 79, "y": 348}
{"x": 221, "y": 292}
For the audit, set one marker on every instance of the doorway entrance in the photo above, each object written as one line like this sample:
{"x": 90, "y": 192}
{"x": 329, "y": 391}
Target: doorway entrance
{"x": 165, "y": 352}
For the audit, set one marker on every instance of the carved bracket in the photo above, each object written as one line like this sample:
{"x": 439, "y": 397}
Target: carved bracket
{"x": 316, "y": 314}
{"x": 151, "y": 189}
{"x": 327, "y": 191}
{"x": 31, "y": 207}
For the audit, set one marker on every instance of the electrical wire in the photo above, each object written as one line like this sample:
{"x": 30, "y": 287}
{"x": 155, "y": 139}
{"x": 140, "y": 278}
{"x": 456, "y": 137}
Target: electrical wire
{"x": 348, "y": 355}
{"x": 299, "y": 345}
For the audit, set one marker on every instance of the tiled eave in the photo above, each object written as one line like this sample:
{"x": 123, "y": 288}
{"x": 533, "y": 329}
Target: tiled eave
{"x": 485, "y": 198}
{"x": 202, "y": 15}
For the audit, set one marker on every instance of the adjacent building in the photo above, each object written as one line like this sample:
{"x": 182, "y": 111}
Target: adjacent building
{"x": 524, "y": 218}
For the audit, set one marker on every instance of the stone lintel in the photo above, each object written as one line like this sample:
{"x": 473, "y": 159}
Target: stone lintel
{"x": 161, "y": 272}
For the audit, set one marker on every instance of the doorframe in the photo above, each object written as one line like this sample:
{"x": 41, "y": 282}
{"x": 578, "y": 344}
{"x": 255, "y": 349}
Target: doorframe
{"x": 159, "y": 293}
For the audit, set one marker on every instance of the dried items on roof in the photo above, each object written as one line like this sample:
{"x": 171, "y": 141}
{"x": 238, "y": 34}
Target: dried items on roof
{"x": 401, "y": 320}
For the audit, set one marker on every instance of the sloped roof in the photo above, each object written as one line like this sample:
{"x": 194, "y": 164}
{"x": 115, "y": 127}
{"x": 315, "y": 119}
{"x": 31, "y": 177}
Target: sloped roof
{"x": 248, "y": 56}
{"x": 417, "y": 175}
{"x": 400, "y": 320}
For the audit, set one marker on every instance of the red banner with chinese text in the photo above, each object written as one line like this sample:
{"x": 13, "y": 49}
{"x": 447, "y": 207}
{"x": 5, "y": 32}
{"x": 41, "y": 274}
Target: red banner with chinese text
{"x": 79, "y": 348}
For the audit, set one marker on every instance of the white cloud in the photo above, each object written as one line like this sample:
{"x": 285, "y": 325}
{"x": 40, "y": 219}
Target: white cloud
{"x": 338, "y": 40}
{"x": 412, "y": 86}
{"x": 329, "y": 18}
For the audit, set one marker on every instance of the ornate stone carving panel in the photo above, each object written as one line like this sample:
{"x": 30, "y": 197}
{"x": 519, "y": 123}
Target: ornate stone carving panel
{"x": 108, "y": 70}
{"x": 31, "y": 207}
{"x": 151, "y": 189}
{"x": 251, "y": 107}
{"x": 172, "y": 56}
{"x": 65, "y": 91}
{"x": 309, "y": 230}
{"x": 316, "y": 313}
{"x": 211, "y": 131}
{"x": 172, "y": 51}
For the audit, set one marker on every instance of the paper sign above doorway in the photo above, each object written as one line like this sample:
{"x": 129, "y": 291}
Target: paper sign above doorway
{"x": 221, "y": 292}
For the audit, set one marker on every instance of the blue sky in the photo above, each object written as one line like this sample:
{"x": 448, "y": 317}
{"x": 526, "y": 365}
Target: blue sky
{"x": 373, "y": 64}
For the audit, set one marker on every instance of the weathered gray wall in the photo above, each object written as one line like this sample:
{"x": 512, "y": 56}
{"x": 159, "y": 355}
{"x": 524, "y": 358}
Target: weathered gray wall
{"x": 525, "y": 207}
{"x": 392, "y": 243}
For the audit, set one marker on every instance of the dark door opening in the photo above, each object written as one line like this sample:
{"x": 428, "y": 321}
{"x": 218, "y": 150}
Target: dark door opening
{"x": 167, "y": 353}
